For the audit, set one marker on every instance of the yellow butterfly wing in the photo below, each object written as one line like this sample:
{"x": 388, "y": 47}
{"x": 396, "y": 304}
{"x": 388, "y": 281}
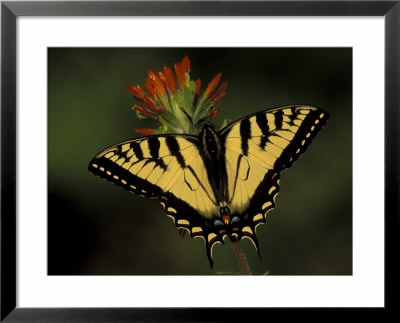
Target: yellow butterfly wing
{"x": 257, "y": 148}
{"x": 167, "y": 167}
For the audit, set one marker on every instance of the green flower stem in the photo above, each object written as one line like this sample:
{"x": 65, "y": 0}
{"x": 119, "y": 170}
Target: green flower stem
{"x": 244, "y": 266}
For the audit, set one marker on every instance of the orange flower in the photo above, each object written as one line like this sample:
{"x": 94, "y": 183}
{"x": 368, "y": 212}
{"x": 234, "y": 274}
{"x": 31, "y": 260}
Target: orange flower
{"x": 175, "y": 101}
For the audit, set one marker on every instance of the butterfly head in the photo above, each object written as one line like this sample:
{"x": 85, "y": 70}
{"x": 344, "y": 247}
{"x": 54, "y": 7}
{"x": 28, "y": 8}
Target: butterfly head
{"x": 208, "y": 128}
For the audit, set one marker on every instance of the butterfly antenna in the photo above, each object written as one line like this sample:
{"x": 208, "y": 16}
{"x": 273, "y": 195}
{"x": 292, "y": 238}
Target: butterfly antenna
{"x": 188, "y": 116}
{"x": 211, "y": 113}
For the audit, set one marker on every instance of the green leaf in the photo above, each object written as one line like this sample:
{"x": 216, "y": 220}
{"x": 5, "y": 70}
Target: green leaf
{"x": 171, "y": 121}
{"x": 203, "y": 107}
{"x": 188, "y": 96}
{"x": 160, "y": 130}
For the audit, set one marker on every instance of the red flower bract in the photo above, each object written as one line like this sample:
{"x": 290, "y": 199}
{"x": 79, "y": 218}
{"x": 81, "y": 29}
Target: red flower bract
{"x": 181, "y": 69}
{"x": 145, "y": 131}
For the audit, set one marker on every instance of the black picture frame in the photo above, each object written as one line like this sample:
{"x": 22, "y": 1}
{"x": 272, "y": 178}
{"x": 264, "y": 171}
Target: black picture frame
{"x": 11, "y": 10}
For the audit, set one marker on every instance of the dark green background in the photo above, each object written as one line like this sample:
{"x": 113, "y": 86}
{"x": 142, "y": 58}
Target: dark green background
{"x": 95, "y": 227}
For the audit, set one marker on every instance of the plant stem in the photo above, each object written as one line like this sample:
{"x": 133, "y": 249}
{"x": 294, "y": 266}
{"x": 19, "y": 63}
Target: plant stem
{"x": 244, "y": 266}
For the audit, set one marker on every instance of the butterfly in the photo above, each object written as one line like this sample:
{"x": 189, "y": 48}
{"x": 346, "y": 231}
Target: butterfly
{"x": 215, "y": 184}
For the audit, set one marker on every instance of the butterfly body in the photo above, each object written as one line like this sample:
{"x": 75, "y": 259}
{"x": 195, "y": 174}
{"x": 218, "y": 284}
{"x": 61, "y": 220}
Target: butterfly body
{"x": 213, "y": 153}
{"x": 219, "y": 183}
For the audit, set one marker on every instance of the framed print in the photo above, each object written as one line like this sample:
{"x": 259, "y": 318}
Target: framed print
{"x": 208, "y": 109}
{"x": 197, "y": 259}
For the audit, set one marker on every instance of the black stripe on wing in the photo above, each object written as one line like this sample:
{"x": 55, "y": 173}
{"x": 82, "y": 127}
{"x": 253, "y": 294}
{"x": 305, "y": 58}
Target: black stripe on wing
{"x": 262, "y": 123}
{"x": 174, "y": 148}
{"x": 307, "y": 131}
{"x": 245, "y": 135}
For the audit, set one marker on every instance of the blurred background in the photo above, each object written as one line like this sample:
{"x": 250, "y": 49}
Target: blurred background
{"x": 97, "y": 228}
